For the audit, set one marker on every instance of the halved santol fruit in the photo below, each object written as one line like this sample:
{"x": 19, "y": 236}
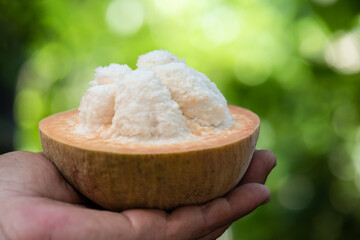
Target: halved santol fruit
{"x": 121, "y": 175}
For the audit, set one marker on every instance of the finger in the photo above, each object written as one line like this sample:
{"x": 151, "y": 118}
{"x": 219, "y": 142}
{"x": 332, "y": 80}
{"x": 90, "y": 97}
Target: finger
{"x": 49, "y": 219}
{"x": 60, "y": 189}
{"x": 262, "y": 163}
{"x": 216, "y": 234}
{"x": 197, "y": 221}
{"x": 32, "y": 174}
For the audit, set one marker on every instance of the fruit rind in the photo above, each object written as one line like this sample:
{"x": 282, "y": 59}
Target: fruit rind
{"x": 119, "y": 181}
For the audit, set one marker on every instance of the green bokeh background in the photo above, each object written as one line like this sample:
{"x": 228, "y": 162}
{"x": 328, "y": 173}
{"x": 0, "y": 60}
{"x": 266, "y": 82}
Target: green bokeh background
{"x": 295, "y": 63}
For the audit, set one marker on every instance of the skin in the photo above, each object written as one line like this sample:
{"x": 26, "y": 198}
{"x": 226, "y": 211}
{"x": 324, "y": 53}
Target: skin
{"x": 37, "y": 203}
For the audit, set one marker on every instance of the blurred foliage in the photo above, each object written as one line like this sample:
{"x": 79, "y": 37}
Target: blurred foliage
{"x": 295, "y": 63}
{"x": 15, "y": 35}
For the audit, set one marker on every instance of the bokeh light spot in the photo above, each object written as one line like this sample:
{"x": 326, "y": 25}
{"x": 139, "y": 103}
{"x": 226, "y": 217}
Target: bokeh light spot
{"x": 125, "y": 16}
{"x": 344, "y": 53}
{"x": 250, "y": 69}
{"x": 221, "y": 25}
{"x": 29, "y": 108}
{"x": 340, "y": 164}
{"x": 296, "y": 193}
{"x": 313, "y": 39}
{"x": 50, "y": 63}
{"x": 171, "y": 8}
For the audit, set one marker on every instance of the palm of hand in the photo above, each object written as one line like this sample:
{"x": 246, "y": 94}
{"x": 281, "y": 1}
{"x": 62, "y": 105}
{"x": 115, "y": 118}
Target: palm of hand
{"x": 37, "y": 203}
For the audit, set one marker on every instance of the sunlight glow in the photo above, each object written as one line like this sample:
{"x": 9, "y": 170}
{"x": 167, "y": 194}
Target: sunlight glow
{"x": 222, "y": 25}
{"x": 125, "y": 16}
{"x": 344, "y": 54}
{"x": 170, "y": 8}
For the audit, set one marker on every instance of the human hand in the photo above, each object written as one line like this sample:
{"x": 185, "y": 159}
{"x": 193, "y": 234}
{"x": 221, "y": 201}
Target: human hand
{"x": 37, "y": 203}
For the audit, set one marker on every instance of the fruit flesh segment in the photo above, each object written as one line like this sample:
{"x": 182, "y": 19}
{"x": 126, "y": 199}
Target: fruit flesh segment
{"x": 62, "y": 127}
